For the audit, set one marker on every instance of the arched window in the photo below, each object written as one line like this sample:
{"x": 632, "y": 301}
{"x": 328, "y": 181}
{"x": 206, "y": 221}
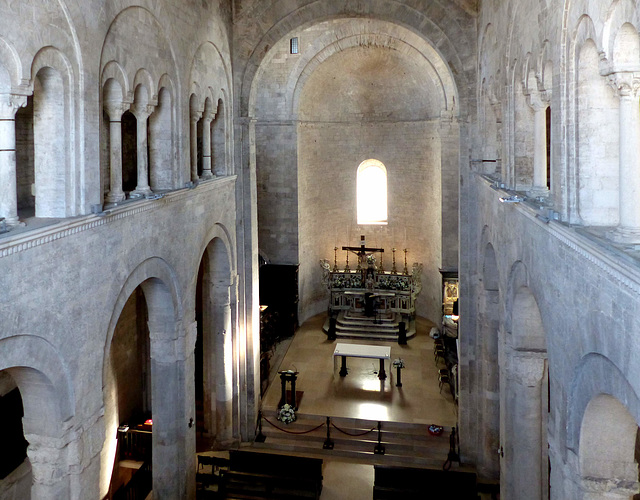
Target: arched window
{"x": 372, "y": 192}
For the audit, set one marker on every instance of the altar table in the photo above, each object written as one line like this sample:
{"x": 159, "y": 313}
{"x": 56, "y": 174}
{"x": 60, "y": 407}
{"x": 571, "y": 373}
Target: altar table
{"x": 361, "y": 351}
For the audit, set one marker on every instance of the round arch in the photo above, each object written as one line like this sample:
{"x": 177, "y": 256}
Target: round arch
{"x": 403, "y": 15}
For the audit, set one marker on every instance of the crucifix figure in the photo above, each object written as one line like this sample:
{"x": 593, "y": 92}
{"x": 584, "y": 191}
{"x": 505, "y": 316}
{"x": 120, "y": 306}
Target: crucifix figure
{"x": 363, "y": 252}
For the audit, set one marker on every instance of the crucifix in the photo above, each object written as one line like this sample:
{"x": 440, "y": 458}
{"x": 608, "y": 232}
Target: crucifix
{"x": 362, "y": 251}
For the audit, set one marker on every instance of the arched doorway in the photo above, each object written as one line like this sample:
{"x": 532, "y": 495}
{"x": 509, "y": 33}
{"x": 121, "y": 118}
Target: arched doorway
{"x": 214, "y": 374}
{"x": 524, "y": 392}
{"x": 608, "y": 450}
{"x": 170, "y": 358}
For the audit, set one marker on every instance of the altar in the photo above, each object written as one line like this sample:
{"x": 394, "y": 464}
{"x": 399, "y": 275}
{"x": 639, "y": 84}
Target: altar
{"x": 369, "y": 300}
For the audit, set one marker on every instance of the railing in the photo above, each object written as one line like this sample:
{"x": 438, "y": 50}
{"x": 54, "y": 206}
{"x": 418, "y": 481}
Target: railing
{"x": 139, "y": 486}
{"x": 135, "y": 445}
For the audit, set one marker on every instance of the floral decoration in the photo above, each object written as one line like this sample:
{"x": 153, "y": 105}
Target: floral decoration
{"x": 287, "y": 414}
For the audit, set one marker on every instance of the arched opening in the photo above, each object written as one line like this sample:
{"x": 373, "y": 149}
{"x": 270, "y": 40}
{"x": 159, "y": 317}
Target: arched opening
{"x": 371, "y": 192}
{"x": 161, "y": 146}
{"x": 129, "y": 152}
{"x": 128, "y": 383}
{"x": 111, "y": 145}
{"x": 524, "y": 409}
{"x": 608, "y": 450}
{"x": 25, "y": 161}
{"x": 15, "y": 470}
{"x": 214, "y": 349}
{"x": 489, "y": 383}
{"x": 219, "y": 141}
{"x": 50, "y": 144}
{"x": 597, "y": 105}
{"x": 170, "y": 393}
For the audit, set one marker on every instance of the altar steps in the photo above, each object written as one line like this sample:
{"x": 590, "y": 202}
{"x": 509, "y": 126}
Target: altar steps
{"x": 380, "y": 327}
{"x": 404, "y": 444}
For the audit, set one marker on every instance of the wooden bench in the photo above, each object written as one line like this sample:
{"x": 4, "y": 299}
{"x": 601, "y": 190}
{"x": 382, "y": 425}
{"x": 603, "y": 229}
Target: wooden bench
{"x": 249, "y": 485}
{"x": 392, "y": 482}
{"x": 271, "y": 476}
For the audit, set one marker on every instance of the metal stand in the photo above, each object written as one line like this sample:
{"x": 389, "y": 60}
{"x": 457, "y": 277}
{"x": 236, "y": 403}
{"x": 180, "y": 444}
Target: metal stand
{"x": 288, "y": 376}
{"x": 260, "y": 438}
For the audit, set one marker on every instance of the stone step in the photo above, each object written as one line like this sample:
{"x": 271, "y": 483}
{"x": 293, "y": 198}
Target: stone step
{"x": 404, "y": 443}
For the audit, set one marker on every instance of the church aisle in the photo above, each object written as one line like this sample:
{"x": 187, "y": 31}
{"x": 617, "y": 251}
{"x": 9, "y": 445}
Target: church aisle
{"x": 361, "y": 394}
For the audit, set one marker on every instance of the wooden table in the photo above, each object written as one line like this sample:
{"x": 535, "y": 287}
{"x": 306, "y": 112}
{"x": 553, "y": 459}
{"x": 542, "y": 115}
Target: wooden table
{"x": 361, "y": 351}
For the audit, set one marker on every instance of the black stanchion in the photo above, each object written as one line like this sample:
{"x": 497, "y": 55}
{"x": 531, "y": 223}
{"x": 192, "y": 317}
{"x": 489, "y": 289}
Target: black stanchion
{"x": 331, "y": 334}
{"x": 260, "y": 438}
{"x": 379, "y": 448}
{"x": 328, "y": 444}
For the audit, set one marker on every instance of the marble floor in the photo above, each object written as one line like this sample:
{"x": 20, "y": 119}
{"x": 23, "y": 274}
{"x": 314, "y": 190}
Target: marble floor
{"x": 361, "y": 394}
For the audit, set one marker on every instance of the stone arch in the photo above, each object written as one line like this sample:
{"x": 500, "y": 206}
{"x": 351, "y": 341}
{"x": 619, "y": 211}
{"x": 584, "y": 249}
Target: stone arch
{"x": 164, "y": 304}
{"x": 523, "y": 393}
{"x": 487, "y": 347}
{"x": 143, "y": 78}
{"x": 319, "y": 11}
{"x": 163, "y": 148}
{"x": 215, "y": 369}
{"x": 620, "y": 26}
{"x": 114, "y": 71}
{"x": 56, "y": 180}
{"x": 409, "y": 43}
{"x": 602, "y": 414}
{"x": 43, "y": 380}
{"x": 597, "y": 166}
{"x": 10, "y": 61}
{"x": 221, "y": 143}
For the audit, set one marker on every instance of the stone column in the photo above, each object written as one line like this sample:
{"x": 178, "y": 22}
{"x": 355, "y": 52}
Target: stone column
{"x": 115, "y": 110}
{"x": 49, "y": 467}
{"x": 628, "y": 229}
{"x": 195, "y": 116}
{"x": 206, "y": 146}
{"x": 173, "y": 407}
{"x": 523, "y": 452}
{"x": 9, "y": 104}
{"x": 223, "y": 352}
{"x": 142, "y": 112}
{"x": 539, "y": 102}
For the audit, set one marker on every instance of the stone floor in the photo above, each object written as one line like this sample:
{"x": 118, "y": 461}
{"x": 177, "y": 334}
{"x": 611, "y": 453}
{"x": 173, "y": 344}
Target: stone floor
{"x": 361, "y": 394}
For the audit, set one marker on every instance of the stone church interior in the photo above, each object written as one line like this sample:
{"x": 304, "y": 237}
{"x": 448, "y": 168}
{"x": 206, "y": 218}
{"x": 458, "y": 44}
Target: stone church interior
{"x": 431, "y": 204}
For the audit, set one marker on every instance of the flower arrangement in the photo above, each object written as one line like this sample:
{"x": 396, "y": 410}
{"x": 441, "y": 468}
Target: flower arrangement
{"x": 398, "y": 363}
{"x": 287, "y": 414}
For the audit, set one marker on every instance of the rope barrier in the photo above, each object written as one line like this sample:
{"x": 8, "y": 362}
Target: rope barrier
{"x": 291, "y": 432}
{"x": 353, "y": 435}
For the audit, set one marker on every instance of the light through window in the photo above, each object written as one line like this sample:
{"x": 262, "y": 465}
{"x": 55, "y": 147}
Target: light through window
{"x": 372, "y": 192}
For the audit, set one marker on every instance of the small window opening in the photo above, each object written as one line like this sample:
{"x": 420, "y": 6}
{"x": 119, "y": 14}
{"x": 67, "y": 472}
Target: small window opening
{"x": 371, "y": 192}
{"x": 293, "y": 44}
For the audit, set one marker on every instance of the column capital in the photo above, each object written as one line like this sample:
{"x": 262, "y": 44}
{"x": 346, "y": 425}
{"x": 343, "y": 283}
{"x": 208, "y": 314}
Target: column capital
{"x": 142, "y": 111}
{"x": 625, "y": 83}
{"x": 9, "y": 105}
{"x": 538, "y": 100}
{"x": 208, "y": 116}
{"x": 195, "y": 116}
{"x": 115, "y": 109}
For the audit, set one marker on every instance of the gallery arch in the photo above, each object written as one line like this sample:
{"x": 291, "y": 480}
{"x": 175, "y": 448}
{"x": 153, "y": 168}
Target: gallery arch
{"x": 524, "y": 408}
{"x": 153, "y": 357}
{"x": 215, "y": 372}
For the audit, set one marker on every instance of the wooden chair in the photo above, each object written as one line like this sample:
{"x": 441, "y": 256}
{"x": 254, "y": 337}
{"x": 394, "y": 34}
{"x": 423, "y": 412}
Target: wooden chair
{"x": 443, "y": 379}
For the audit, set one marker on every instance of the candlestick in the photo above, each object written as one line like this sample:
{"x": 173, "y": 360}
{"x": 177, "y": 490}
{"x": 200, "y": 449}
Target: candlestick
{"x": 335, "y": 259}
{"x": 346, "y": 268}
{"x": 393, "y": 269}
{"x": 381, "y": 268}
{"x": 406, "y": 271}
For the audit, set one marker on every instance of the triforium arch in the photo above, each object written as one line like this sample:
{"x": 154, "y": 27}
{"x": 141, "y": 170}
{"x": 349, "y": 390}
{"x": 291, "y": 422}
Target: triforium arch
{"x": 217, "y": 345}
{"x": 523, "y": 393}
{"x": 48, "y": 400}
{"x": 172, "y": 343}
{"x": 603, "y": 411}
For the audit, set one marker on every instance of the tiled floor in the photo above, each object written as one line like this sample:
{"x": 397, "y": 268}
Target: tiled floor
{"x": 361, "y": 394}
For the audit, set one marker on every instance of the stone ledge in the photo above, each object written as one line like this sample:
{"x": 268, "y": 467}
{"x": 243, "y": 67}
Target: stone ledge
{"x": 25, "y": 240}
